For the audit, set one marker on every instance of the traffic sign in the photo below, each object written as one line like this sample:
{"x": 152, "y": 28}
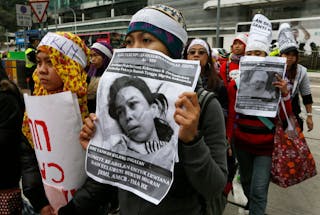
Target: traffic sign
{"x": 39, "y": 8}
{"x": 23, "y": 15}
{"x": 35, "y": 19}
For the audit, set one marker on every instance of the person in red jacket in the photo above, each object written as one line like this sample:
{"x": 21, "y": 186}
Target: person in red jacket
{"x": 229, "y": 72}
{"x": 237, "y": 51}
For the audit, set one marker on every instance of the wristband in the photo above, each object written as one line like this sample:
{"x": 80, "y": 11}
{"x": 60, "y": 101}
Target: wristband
{"x": 286, "y": 97}
{"x": 309, "y": 114}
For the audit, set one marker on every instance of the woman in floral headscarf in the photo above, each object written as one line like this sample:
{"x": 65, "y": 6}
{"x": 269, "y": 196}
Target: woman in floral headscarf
{"x": 58, "y": 72}
{"x": 61, "y": 59}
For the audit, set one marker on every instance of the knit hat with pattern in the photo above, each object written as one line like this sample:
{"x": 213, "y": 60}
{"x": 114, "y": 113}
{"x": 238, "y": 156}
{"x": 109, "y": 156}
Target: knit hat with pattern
{"x": 165, "y": 23}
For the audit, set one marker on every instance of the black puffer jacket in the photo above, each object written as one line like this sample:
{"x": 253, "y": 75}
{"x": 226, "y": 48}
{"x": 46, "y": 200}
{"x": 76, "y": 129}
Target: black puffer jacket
{"x": 11, "y": 117}
{"x": 17, "y": 158}
{"x": 31, "y": 177}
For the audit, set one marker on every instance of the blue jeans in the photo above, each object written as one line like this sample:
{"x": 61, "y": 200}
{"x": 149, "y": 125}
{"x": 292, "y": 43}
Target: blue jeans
{"x": 255, "y": 177}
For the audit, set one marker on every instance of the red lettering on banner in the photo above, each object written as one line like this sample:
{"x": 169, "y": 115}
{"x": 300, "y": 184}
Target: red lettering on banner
{"x": 36, "y": 142}
{"x": 65, "y": 193}
{"x": 45, "y": 132}
{"x": 60, "y": 169}
{"x": 43, "y": 171}
{"x": 35, "y": 133}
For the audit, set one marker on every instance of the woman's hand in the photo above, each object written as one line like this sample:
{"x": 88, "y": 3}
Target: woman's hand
{"x": 309, "y": 122}
{"x": 88, "y": 129}
{"x": 187, "y": 116}
{"x": 281, "y": 84}
{"x": 47, "y": 210}
{"x": 229, "y": 147}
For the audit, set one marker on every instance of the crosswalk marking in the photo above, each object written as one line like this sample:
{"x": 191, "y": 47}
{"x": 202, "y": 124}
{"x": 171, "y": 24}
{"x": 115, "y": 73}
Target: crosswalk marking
{"x": 314, "y": 86}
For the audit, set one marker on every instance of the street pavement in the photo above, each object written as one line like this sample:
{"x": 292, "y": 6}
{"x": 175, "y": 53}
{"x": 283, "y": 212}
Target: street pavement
{"x": 303, "y": 198}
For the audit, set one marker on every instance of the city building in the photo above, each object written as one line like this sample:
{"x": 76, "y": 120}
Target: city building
{"x": 83, "y": 16}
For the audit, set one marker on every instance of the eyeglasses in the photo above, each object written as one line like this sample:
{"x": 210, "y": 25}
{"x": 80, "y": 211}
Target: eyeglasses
{"x": 200, "y": 52}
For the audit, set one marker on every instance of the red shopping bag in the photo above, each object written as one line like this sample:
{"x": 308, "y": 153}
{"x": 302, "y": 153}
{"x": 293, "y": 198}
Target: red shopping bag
{"x": 292, "y": 161}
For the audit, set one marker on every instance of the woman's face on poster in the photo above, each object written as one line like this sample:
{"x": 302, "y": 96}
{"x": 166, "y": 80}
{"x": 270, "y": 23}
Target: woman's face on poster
{"x": 259, "y": 80}
{"x": 135, "y": 114}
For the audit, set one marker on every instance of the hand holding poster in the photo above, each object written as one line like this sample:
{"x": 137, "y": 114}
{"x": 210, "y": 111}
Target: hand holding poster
{"x": 135, "y": 143}
{"x": 256, "y": 94}
{"x": 55, "y": 123}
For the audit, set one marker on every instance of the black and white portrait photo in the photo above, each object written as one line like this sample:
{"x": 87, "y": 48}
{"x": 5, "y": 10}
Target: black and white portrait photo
{"x": 257, "y": 84}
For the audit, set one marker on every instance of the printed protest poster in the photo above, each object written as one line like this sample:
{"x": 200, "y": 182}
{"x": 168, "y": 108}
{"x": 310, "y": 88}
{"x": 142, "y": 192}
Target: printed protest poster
{"x": 135, "y": 143}
{"x": 256, "y": 95}
{"x": 55, "y": 124}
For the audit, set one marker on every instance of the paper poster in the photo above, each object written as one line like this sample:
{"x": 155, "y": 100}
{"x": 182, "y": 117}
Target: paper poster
{"x": 256, "y": 94}
{"x": 55, "y": 124}
{"x": 135, "y": 144}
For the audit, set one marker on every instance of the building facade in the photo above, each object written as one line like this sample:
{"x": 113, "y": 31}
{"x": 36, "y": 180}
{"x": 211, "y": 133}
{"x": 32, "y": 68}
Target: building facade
{"x": 200, "y": 15}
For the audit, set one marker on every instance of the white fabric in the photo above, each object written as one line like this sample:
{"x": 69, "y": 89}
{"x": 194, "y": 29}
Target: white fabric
{"x": 65, "y": 46}
{"x": 260, "y": 35}
{"x": 103, "y": 49}
{"x": 285, "y": 38}
{"x": 242, "y": 37}
{"x": 199, "y": 42}
{"x": 162, "y": 21}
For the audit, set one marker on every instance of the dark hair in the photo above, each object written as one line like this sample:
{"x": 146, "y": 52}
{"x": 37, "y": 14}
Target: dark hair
{"x": 3, "y": 74}
{"x": 292, "y": 71}
{"x": 209, "y": 73}
{"x": 126, "y": 81}
{"x": 32, "y": 39}
{"x": 10, "y": 87}
{"x": 164, "y": 130}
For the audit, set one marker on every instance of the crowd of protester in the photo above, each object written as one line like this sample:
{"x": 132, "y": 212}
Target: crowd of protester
{"x": 208, "y": 153}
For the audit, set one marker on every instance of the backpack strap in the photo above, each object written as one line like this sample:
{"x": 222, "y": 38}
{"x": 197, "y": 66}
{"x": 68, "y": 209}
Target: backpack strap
{"x": 204, "y": 97}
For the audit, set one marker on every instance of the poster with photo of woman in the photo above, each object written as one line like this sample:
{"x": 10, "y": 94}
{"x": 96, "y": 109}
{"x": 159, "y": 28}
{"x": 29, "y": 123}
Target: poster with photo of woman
{"x": 135, "y": 145}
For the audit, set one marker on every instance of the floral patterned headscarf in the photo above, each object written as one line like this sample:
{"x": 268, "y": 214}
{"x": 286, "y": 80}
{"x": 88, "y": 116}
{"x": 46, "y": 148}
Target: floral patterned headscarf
{"x": 69, "y": 66}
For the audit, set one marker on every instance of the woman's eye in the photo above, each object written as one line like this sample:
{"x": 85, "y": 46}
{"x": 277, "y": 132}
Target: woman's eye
{"x": 119, "y": 111}
{"x": 132, "y": 104}
{"x": 146, "y": 40}
{"x": 49, "y": 63}
{"x": 128, "y": 42}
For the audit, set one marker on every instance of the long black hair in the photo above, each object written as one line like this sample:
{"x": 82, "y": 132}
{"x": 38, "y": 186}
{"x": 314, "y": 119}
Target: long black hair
{"x": 10, "y": 87}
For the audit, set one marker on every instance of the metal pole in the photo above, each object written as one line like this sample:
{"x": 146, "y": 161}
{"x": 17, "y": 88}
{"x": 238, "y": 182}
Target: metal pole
{"x": 75, "y": 19}
{"x": 218, "y": 26}
{"x": 7, "y": 38}
{"x": 55, "y": 14}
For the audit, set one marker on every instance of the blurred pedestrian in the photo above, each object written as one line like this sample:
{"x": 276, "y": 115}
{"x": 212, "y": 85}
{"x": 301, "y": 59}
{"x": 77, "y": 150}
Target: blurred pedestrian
{"x": 100, "y": 56}
{"x": 232, "y": 64}
{"x": 252, "y": 138}
{"x": 31, "y": 62}
{"x": 198, "y": 49}
{"x": 297, "y": 76}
